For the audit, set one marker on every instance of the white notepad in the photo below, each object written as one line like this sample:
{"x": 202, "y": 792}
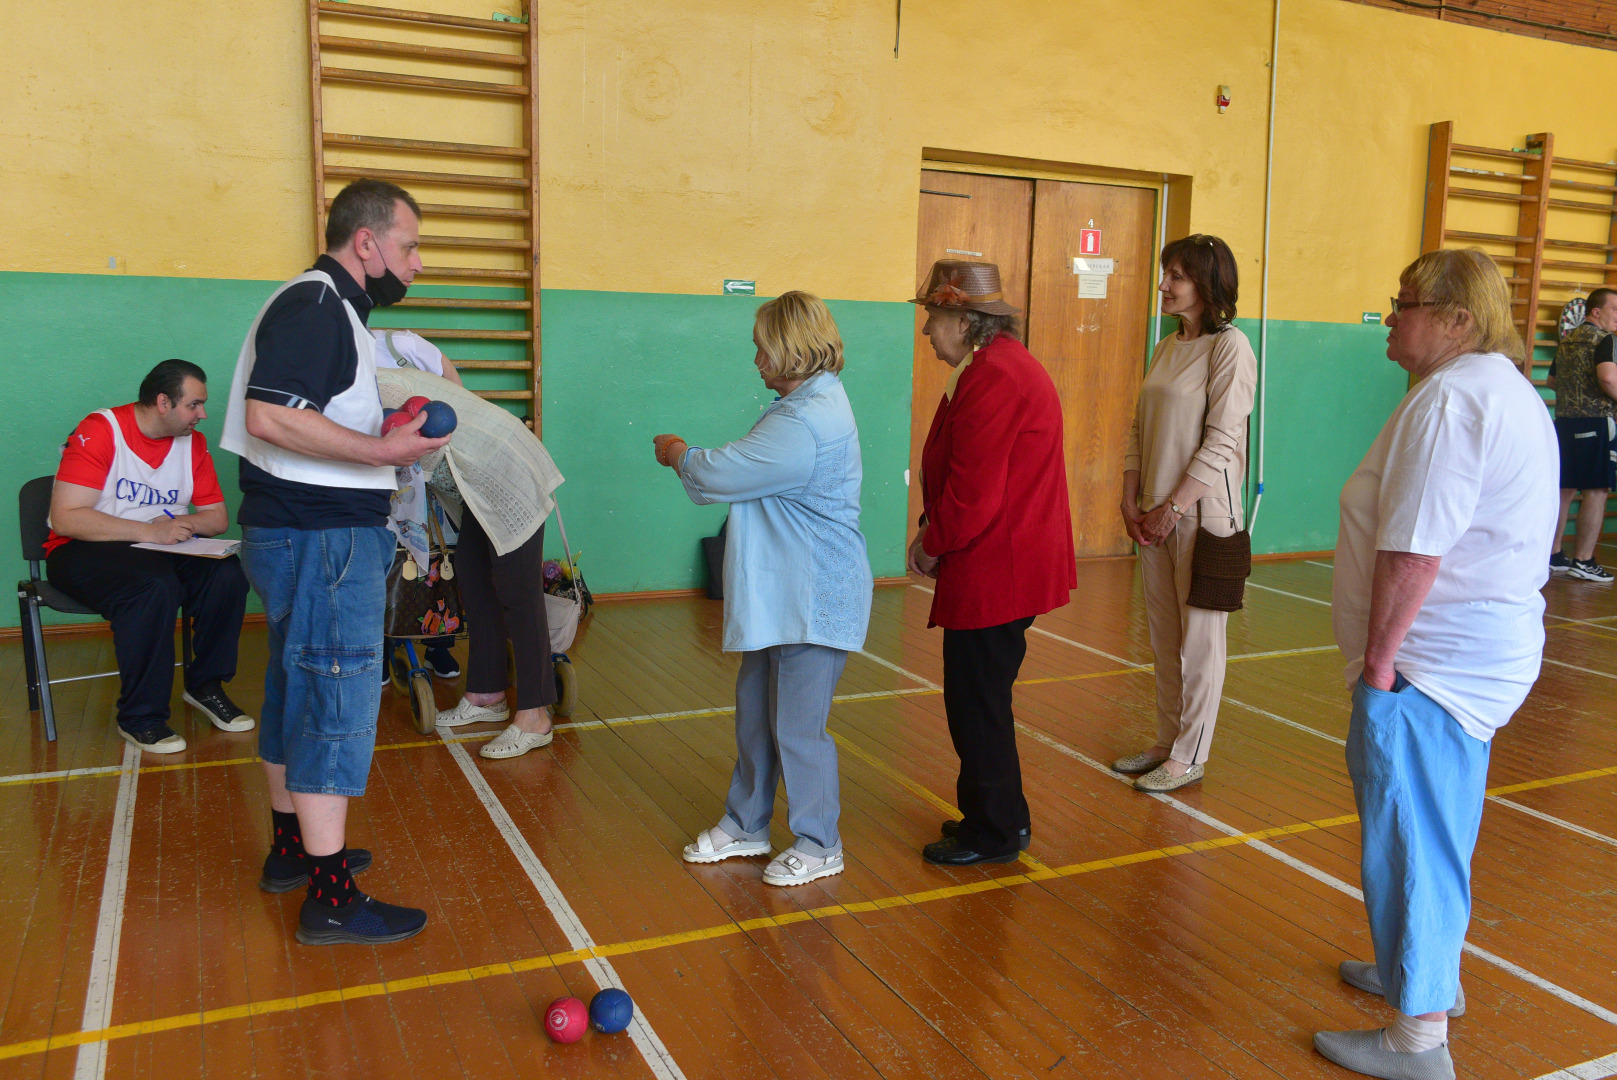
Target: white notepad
{"x": 209, "y": 547}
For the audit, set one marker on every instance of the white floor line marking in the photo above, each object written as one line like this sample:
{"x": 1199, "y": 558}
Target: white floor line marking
{"x": 1086, "y": 648}
{"x": 1598, "y": 1069}
{"x": 651, "y": 1047}
{"x": 1542, "y": 816}
{"x": 1574, "y": 667}
{"x": 890, "y": 666}
{"x": 92, "y": 1057}
{"x": 1575, "y": 1000}
{"x": 59, "y": 774}
{"x": 97, "y": 675}
{"x": 1316, "y": 562}
{"x": 1295, "y": 596}
{"x": 1289, "y": 723}
{"x": 1283, "y": 652}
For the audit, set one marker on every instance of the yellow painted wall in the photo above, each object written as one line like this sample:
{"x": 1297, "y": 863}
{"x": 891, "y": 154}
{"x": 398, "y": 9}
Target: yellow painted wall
{"x": 779, "y": 139}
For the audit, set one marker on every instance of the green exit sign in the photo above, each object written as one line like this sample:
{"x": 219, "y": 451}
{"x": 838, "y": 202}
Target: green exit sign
{"x": 1372, "y": 316}
{"x": 735, "y": 287}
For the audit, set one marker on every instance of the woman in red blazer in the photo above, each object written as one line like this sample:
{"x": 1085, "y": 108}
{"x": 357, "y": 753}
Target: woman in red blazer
{"x": 997, "y": 535}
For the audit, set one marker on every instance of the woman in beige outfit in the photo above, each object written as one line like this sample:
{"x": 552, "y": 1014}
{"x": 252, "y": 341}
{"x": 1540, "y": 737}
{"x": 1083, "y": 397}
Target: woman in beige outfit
{"x": 1185, "y": 466}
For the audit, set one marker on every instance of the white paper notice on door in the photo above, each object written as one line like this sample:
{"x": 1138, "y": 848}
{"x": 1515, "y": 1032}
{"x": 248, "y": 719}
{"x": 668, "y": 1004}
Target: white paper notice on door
{"x": 1091, "y": 286}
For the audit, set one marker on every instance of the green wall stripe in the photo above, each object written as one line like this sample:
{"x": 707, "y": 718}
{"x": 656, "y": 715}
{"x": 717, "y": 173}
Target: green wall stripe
{"x": 621, "y": 367}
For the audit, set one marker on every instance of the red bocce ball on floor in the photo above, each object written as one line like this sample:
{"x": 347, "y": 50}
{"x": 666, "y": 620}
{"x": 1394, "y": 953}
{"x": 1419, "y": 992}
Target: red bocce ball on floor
{"x": 566, "y": 1020}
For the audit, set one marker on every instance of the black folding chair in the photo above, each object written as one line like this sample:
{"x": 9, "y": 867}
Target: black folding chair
{"x": 33, "y": 510}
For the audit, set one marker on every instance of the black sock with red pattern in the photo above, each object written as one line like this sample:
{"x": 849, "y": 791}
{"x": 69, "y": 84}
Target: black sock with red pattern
{"x": 286, "y": 838}
{"x": 330, "y": 883}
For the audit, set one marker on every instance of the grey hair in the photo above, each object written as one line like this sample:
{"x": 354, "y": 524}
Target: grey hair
{"x": 981, "y": 327}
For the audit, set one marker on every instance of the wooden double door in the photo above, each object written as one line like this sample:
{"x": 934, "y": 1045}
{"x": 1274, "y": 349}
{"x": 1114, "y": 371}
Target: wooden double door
{"x": 1093, "y": 346}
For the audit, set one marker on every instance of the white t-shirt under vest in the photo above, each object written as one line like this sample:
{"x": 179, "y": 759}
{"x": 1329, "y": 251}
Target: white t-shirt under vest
{"x": 357, "y": 408}
{"x": 134, "y": 490}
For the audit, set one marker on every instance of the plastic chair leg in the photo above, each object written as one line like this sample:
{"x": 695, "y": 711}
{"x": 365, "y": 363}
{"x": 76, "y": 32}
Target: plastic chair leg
{"x": 47, "y": 708}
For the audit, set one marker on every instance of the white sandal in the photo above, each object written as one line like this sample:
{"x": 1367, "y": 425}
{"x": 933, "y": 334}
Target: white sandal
{"x": 465, "y": 713}
{"x": 793, "y": 867}
{"x": 514, "y": 742}
{"x": 716, "y": 845}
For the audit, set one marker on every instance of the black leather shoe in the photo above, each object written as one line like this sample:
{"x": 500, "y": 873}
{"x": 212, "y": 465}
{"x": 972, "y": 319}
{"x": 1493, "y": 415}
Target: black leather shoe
{"x": 951, "y": 828}
{"x": 950, "y": 853}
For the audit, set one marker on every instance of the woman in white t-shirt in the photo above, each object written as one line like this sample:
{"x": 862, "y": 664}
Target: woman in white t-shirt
{"x": 1443, "y": 547}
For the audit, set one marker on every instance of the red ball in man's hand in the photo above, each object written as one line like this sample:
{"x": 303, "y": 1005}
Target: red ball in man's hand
{"x": 414, "y": 405}
{"x": 395, "y": 418}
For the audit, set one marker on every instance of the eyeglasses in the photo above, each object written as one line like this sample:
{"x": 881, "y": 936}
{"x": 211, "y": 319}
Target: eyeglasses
{"x": 1398, "y": 305}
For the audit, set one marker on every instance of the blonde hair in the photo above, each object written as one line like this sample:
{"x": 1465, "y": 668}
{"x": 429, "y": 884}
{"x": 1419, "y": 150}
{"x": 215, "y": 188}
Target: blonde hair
{"x": 1468, "y": 280}
{"x": 798, "y": 336}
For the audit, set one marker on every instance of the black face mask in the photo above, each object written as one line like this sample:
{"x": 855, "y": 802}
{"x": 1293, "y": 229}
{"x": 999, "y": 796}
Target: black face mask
{"x": 386, "y": 290}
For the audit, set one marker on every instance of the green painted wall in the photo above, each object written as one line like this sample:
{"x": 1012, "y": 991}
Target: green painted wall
{"x": 621, "y": 367}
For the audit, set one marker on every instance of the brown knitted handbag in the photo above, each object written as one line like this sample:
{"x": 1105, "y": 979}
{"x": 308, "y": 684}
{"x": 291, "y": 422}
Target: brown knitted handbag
{"x": 1220, "y": 565}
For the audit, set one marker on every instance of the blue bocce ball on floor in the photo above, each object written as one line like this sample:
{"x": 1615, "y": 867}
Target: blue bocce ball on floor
{"x": 611, "y": 1010}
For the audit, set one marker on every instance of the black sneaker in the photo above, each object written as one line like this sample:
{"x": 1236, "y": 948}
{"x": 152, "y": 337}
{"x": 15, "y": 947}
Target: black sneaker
{"x": 156, "y": 738}
{"x": 283, "y": 873}
{"x": 218, "y": 708}
{"x": 441, "y": 662}
{"x": 1589, "y": 570}
{"x": 1559, "y": 563}
{"x": 366, "y": 921}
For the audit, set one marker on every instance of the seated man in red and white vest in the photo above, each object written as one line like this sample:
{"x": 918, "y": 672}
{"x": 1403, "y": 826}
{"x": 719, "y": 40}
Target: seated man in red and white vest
{"x": 131, "y": 475}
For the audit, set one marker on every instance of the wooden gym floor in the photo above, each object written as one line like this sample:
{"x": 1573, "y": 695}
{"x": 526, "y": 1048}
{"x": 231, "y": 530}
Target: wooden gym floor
{"x": 1141, "y": 937}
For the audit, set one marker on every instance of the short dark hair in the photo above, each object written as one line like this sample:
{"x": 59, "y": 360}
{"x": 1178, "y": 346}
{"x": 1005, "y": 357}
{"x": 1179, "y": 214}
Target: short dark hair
{"x": 364, "y": 204}
{"x": 1210, "y": 265}
{"x": 1599, "y": 299}
{"x": 168, "y": 378}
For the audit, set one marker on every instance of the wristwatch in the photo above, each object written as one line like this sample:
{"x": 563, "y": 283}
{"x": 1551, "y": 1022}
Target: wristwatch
{"x": 1175, "y": 508}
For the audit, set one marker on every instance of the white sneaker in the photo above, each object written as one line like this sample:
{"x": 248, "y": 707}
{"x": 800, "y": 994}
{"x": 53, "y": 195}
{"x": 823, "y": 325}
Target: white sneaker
{"x": 465, "y": 713}
{"x": 514, "y": 742}
{"x": 793, "y": 867}
{"x": 716, "y": 845}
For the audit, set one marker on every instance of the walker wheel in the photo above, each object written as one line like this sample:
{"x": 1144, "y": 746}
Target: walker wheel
{"x": 566, "y": 687}
{"x": 423, "y": 706}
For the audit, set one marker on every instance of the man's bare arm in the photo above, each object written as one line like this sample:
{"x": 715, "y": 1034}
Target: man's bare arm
{"x": 73, "y": 515}
{"x": 313, "y": 435}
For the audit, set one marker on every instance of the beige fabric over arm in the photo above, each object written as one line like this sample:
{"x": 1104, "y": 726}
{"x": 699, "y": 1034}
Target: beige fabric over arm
{"x": 1231, "y": 384}
{"x": 505, "y": 475}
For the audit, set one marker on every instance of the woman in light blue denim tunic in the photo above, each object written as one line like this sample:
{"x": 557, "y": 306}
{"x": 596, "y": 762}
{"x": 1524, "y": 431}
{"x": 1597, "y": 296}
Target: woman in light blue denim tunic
{"x": 796, "y": 588}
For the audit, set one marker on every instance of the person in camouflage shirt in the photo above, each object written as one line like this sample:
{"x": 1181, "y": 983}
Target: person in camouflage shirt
{"x": 1584, "y": 376}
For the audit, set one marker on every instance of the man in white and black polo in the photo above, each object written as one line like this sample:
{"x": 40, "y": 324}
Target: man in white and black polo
{"x": 316, "y": 480}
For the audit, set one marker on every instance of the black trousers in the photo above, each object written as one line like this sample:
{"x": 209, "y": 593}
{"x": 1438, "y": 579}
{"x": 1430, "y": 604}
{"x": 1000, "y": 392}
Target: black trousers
{"x": 141, "y": 592}
{"x": 979, "y": 668}
{"x": 504, "y": 599}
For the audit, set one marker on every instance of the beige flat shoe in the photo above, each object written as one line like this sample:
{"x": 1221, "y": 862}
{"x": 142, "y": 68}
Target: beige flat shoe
{"x": 1143, "y": 762}
{"x": 1158, "y": 780}
{"x": 465, "y": 712}
{"x": 514, "y": 742}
